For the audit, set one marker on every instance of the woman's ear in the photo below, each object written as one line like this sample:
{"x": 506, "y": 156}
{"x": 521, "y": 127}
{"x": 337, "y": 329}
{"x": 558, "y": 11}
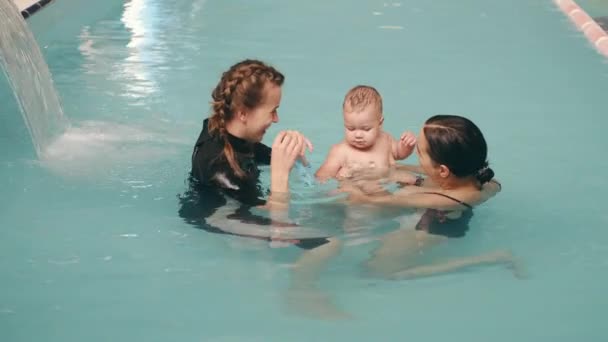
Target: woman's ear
{"x": 241, "y": 115}
{"x": 444, "y": 171}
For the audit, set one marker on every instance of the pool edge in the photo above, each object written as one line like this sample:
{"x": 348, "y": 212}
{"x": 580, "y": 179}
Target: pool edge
{"x": 35, "y": 7}
{"x": 585, "y": 23}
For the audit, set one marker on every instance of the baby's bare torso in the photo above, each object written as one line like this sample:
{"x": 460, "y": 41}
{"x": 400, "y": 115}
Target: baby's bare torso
{"x": 378, "y": 157}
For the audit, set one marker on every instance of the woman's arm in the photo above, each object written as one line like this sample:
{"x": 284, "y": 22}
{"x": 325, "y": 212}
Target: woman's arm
{"x": 404, "y": 177}
{"x": 416, "y": 200}
{"x": 422, "y": 198}
{"x": 410, "y": 168}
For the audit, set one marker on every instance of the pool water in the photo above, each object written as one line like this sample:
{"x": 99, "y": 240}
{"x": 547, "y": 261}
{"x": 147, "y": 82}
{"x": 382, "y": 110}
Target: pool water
{"x": 595, "y": 8}
{"x": 92, "y": 248}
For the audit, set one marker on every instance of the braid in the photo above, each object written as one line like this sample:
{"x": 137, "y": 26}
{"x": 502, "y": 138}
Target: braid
{"x": 240, "y": 87}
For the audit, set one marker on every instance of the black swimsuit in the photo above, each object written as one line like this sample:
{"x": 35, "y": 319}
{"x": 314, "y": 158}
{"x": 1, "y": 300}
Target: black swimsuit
{"x": 436, "y": 222}
{"x": 212, "y": 179}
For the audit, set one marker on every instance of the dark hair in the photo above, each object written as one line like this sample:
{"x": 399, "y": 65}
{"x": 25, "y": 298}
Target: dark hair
{"x": 240, "y": 87}
{"x": 456, "y": 142}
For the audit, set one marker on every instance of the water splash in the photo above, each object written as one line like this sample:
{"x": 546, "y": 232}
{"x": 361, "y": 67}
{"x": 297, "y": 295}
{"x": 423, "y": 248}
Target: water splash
{"x": 30, "y": 79}
{"x": 97, "y": 149}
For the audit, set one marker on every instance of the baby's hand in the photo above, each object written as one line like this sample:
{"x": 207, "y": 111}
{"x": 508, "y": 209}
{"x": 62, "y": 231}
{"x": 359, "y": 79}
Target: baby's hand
{"x": 406, "y": 145}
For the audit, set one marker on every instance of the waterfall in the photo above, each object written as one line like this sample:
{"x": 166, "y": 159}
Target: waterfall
{"x": 30, "y": 79}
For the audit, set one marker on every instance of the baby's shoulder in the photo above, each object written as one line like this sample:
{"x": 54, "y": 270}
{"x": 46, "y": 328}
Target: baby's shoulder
{"x": 387, "y": 137}
{"x": 341, "y": 147}
{"x": 386, "y": 142}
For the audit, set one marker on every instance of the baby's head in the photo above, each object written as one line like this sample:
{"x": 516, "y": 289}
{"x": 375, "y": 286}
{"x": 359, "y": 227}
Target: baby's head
{"x": 363, "y": 118}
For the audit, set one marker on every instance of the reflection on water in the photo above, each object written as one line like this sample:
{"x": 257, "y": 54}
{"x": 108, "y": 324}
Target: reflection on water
{"x": 121, "y": 78}
{"x": 130, "y": 68}
{"x": 141, "y": 47}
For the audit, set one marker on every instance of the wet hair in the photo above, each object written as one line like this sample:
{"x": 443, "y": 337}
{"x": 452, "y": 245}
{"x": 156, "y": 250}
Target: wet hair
{"x": 457, "y": 143}
{"x": 360, "y": 97}
{"x": 241, "y": 87}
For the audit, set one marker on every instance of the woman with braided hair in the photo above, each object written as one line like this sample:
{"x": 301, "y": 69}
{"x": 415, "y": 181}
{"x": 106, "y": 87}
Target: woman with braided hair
{"x": 224, "y": 179}
{"x": 228, "y": 152}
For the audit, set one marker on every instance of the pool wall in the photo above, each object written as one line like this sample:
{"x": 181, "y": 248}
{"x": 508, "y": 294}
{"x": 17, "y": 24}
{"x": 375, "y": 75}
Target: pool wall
{"x": 29, "y": 7}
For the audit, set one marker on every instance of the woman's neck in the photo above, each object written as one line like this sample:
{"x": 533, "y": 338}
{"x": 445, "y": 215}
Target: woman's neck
{"x": 236, "y": 129}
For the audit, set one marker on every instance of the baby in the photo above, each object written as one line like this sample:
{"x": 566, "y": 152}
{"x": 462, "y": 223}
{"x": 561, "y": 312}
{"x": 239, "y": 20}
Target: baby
{"x": 365, "y": 145}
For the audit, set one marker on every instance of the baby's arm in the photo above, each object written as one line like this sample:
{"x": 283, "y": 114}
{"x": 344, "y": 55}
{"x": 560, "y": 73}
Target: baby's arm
{"x": 403, "y": 147}
{"x": 334, "y": 161}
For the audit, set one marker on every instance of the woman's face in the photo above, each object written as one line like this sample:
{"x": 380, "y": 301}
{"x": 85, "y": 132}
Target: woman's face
{"x": 426, "y": 163}
{"x": 259, "y": 119}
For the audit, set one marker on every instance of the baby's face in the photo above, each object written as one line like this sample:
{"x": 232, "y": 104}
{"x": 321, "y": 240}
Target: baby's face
{"x": 362, "y": 128}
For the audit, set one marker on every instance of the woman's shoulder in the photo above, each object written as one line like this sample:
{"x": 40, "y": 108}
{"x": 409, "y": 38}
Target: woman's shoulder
{"x": 208, "y": 149}
{"x": 469, "y": 197}
{"x": 455, "y": 200}
{"x": 206, "y": 154}
{"x": 436, "y": 198}
{"x": 472, "y": 196}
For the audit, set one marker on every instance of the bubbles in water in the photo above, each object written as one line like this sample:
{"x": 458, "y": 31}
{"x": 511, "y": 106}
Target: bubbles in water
{"x": 96, "y": 148}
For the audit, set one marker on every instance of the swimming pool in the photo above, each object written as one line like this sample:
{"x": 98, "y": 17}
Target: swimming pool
{"x": 595, "y": 8}
{"x": 98, "y": 252}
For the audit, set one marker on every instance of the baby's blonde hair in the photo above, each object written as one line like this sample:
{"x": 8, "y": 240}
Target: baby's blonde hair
{"x": 360, "y": 97}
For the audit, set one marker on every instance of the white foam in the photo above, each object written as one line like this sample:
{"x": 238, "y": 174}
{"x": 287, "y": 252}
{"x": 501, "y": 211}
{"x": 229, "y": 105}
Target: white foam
{"x": 96, "y": 148}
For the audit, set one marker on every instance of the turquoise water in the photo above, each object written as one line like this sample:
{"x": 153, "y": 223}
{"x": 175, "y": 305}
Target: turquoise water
{"x": 96, "y": 251}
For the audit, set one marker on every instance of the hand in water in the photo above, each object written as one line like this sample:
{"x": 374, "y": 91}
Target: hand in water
{"x": 305, "y": 172}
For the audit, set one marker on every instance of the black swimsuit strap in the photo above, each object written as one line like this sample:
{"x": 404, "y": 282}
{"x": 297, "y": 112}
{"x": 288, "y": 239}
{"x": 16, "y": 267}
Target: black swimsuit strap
{"x": 452, "y": 198}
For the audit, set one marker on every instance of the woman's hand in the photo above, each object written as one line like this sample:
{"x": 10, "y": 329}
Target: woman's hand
{"x": 288, "y": 146}
{"x": 402, "y": 177}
